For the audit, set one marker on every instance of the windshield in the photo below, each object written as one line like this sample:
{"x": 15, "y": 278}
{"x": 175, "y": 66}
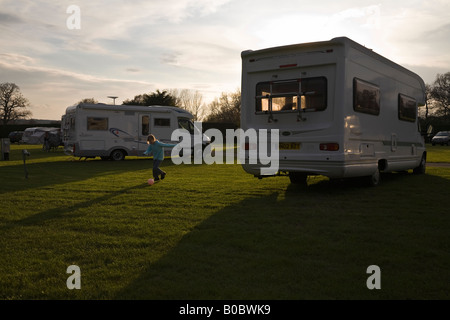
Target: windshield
{"x": 185, "y": 123}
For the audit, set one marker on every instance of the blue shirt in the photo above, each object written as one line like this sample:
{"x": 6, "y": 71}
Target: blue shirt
{"x": 158, "y": 149}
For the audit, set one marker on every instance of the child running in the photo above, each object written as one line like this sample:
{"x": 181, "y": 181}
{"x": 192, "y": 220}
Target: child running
{"x": 157, "y": 147}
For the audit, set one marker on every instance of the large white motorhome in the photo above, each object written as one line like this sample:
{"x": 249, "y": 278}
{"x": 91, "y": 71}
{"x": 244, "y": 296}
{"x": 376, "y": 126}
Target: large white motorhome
{"x": 341, "y": 109}
{"x": 116, "y": 131}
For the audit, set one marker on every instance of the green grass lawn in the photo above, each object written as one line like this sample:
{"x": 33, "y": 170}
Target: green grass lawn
{"x": 215, "y": 232}
{"x": 438, "y": 153}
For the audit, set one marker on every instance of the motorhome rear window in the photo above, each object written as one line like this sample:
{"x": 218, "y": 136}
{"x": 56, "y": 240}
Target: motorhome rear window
{"x": 162, "y": 122}
{"x": 407, "y": 107}
{"x": 308, "y": 94}
{"x": 97, "y": 123}
{"x": 366, "y": 97}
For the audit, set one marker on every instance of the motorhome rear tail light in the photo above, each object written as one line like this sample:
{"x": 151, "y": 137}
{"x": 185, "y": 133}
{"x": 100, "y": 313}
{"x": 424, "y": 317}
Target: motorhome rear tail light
{"x": 329, "y": 146}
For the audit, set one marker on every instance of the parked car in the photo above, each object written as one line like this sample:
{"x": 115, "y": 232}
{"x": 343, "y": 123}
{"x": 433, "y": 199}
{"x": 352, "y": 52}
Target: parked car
{"x": 15, "y": 136}
{"x": 442, "y": 137}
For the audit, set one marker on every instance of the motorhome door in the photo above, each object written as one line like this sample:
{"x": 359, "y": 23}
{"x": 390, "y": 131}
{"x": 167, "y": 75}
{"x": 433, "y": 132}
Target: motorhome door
{"x": 144, "y": 131}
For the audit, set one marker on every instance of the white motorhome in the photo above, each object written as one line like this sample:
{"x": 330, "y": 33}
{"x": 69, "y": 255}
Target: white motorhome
{"x": 36, "y": 135}
{"x": 341, "y": 109}
{"x": 116, "y": 131}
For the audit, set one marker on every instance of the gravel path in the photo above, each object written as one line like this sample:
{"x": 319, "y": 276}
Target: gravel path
{"x": 438, "y": 164}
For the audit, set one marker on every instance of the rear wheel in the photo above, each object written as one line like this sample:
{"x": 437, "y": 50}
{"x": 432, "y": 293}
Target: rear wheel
{"x": 118, "y": 155}
{"x": 422, "y": 166}
{"x": 298, "y": 178}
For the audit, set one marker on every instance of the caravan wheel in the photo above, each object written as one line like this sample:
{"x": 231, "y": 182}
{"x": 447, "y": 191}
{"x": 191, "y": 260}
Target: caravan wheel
{"x": 298, "y": 178}
{"x": 422, "y": 166}
{"x": 118, "y": 155}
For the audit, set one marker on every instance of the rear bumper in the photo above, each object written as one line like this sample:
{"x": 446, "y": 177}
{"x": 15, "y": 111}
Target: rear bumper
{"x": 331, "y": 169}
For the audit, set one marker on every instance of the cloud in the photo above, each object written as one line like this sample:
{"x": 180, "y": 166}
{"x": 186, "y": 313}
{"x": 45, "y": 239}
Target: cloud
{"x": 7, "y": 19}
{"x": 14, "y": 60}
{"x": 29, "y": 65}
{"x": 170, "y": 58}
{"x": 365, "y": 17}
{"x": 47, "y": 86}
{"x": 133, "y": 70}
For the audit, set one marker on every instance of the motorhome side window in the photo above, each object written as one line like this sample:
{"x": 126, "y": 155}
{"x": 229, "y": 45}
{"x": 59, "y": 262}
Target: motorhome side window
{"x": 366, "y": 97}
{"x": 308, "y": 94}
{"x": 97, "y": 123}
{"x": 407, "y": 107}
{"x": 162, "y": 122}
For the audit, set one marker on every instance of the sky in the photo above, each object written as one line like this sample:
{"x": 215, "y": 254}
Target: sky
{"x": 59, "y": 52}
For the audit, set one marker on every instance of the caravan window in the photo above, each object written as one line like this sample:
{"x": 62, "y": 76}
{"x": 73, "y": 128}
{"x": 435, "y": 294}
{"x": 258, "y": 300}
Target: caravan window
{"x": 406, "y": 108}
{"x": 162, "y": 122}
{"x": 97, "y": 123}
{"x": 291, "y": 95}
{"x": 366, "y": 97}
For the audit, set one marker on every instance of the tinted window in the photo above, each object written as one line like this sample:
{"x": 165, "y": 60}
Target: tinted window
{"x": 406, "y": 108}
{"x": 97, "y": 123}
{"x": 366, "y": 97}
{"x": 162, "y": 122}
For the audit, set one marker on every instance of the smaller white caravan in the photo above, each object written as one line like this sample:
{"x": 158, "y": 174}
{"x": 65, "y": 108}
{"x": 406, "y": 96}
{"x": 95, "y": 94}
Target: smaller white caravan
{"x": 341, "y": 110}
{"x": 36, "y": 135}
{"x": 116, "y": 131}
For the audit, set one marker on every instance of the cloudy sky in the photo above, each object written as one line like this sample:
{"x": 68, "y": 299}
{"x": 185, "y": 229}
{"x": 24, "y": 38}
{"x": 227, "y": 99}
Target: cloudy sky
{"x": 125, "y": 48}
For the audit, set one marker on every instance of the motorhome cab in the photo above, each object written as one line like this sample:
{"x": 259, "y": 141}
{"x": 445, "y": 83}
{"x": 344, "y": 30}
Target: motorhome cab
{"x": 116, "y": 131}
{"x": 341, "y": 109}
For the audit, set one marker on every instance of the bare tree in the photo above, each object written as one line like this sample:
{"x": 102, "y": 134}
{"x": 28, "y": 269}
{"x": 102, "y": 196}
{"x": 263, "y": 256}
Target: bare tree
{"x": 227, "y": 108}
{"x": 439, "y": 93}
{"x": 189, "y": 100}
{"x": 13, "y": 105}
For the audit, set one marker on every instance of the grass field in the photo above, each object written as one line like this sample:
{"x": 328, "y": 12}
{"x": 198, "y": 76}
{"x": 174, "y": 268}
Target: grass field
{"x": 215, "y": 232}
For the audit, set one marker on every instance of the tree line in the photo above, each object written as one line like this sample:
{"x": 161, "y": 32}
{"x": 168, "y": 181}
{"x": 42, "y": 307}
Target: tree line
{"x": 227, "y": 107}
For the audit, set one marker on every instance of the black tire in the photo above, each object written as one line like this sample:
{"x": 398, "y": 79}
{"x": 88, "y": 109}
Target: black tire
{"x": 118, "y": 155}
{"x": 298, "y": 178}
{"x": 422, "y": 166}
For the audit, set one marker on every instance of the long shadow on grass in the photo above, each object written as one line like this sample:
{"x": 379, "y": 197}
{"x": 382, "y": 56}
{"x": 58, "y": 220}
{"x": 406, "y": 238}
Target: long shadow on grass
{"x": 310, "y": 244}
{"x": 42, "y": 174}
{"x": 62, "y": 212}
